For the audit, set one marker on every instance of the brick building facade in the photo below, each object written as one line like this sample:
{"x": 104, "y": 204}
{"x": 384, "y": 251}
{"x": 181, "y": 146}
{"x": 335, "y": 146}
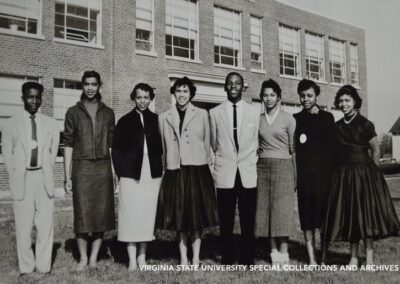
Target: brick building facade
{"x": 157, "y": 41}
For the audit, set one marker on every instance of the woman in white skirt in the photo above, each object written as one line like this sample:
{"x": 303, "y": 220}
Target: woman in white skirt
{"x": 137, "y": 158}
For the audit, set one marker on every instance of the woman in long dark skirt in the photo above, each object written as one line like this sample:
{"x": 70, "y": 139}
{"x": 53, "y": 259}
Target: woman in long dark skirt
{"x": 88, "y": 135}
{"x": 360, "y": 206}
{"x": 314, "y": 140}
{"x": 187, "y": 202}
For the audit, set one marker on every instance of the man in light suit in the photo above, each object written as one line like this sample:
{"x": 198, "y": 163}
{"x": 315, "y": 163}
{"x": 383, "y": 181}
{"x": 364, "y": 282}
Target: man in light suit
{"x": 234, "y": 139}
{"x": 30, "y": 143}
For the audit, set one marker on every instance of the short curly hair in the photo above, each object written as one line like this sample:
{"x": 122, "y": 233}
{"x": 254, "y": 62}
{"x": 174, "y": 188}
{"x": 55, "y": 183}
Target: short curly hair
{"x": 31, "y": 85}
{"x": 350, "y": 91}
{"x": 273, "y": 85}
{"x": 144, "y": 87}
{"x": 181, "y": 82}
{"x": 306, "y": 84}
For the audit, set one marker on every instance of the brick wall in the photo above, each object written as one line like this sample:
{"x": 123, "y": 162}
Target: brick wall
{"x": 121, "y": 68}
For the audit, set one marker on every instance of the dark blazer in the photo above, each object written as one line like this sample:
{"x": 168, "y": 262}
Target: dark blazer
{"x": 78, "y": 132}
{"x": 127, "y": 148}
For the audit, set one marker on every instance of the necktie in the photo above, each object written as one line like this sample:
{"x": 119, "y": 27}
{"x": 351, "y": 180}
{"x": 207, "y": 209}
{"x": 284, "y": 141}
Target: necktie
{"x": 34, "y": 153}
{"x": 235, "y": 127}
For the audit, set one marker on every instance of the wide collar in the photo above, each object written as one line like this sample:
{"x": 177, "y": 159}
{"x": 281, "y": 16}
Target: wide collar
{"x": 173, "y": 117}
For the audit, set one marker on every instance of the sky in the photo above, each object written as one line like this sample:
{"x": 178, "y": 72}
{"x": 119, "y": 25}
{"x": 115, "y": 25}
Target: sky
{"x": 381, "y": 23}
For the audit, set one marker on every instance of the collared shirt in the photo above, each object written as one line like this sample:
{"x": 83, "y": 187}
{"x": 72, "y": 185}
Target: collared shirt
{"x": 28, "y": 128}
{"x": 239, "y": 112}
{"x": 145, "y": 150}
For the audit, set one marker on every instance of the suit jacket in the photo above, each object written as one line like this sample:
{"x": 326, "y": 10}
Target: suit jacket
{"x": 127, "y": 149}
{"x": 16, "y": 146}
{"x": 227, "y": 159}
{"x": 192, "y": 147}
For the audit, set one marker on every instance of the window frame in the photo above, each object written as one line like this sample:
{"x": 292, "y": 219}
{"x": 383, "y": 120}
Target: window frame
{"x": 354, "y": 63}
{"x": 196, "y": 46}
{"x": 296, "y": 55}
{"x": 342, "y": 62}
{"x": 25, "y": 33}
{"x": 261, "y": 55}
{"x": 152, "y": 32}
{"x": 320, "y": 59}
{"x": 239, "y": 56}
{"x": 65, "y": 14}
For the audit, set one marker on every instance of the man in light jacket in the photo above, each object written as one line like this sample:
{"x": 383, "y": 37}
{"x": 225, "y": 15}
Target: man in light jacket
{"x": 234, "y": 139}
{"x": 30, "y": 143}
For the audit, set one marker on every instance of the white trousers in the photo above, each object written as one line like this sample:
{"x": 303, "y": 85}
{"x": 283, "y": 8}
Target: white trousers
{"x": 35, "y": 209}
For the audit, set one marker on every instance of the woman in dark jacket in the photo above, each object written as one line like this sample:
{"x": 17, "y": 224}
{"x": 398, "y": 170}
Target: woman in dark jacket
{"x": 315, "y": 137}
{"x": 136, "y": 155}
{"x": 88, "y": 134}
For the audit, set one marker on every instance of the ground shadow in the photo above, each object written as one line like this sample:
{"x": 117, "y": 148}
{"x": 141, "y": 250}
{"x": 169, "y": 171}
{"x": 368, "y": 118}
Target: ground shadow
{"x": 298, "y": 252}
{"x": 165, "y": 247}
{"x": 72, "y": 248}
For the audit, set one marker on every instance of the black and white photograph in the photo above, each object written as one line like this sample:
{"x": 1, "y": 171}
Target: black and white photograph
{"x": 206, "y": 141}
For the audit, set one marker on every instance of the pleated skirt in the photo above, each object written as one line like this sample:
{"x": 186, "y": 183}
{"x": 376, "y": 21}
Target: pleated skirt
{"x": 187, "y": 200}
{"x": 137, "y": 206}
{"x": 275, "y": 198}
{"x": 360, "y": 205}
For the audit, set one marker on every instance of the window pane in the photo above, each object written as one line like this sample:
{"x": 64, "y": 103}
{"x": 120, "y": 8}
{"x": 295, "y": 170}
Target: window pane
{"x": 20, "y": 16}
{"x": 144, "y": 25}
{"x": 80, "y": 21}
{"x": 59, "y": 32}
{"x": 59, "y": 19}
{"x": 289, "y": 47}
{"x": 255, "y": 40}
{"x": 58, "y": 83}
{"x": 181, "y": 25}
{"x": 60, "y": 8}
{"x": 337, "y": 57}
{"x": 77, "y": 23}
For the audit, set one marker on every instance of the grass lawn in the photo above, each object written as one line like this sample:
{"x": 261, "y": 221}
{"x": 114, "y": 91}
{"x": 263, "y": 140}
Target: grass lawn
{"x": 112, "y": 266}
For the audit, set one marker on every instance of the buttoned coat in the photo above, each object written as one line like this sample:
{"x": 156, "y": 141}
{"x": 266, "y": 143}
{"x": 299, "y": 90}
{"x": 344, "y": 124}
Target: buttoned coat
{"x": 16, "y": 145}
{"x": 78, "y": 132}
{"x": 227, "y": 159}
{"x": 192, "y": 146}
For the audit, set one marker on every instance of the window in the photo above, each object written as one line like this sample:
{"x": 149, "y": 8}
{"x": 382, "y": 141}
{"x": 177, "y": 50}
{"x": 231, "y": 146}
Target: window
{"x": 291, "y": 107}
{"x": 145, "y": 25}
{"x": 227, "y": 37}
{"x": 289, "y": 51}
{"x": 10, "y": 96}
{"x": 20, "y": 16}
{"x": 77, "y": 20}
{"x": 66, "y": 94}
{"x": 354, "y": 64}
{"x": 337, "y": 61}
{"x": 315, "y": 66}
{"x": 181, "y": 29}
{"x": 256, "y": 43}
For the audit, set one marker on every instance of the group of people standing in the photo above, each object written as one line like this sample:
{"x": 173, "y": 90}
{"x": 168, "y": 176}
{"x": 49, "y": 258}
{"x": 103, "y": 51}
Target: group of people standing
{"x": 186, "y": 170}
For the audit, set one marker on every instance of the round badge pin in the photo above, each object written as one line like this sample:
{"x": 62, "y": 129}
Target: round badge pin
{"x": 303, "y": 138}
